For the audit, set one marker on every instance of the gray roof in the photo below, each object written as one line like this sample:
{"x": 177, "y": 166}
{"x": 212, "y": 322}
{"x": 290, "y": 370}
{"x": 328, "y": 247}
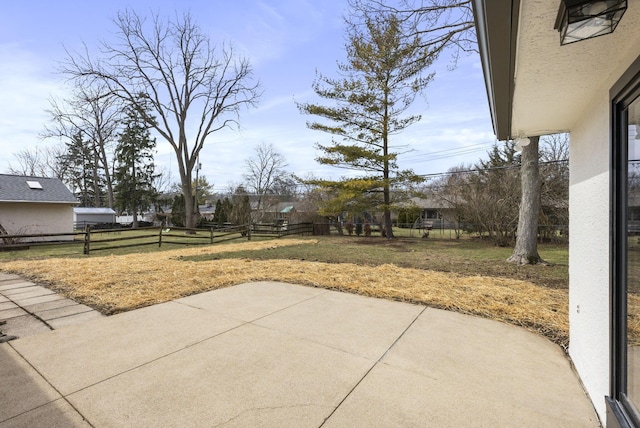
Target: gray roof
{"x": 93, "y": 210}
{"x": 14, "y": 188}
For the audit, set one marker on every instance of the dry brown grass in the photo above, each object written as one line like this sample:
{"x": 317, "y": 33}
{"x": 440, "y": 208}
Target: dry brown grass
{"x": 119, "y": 283}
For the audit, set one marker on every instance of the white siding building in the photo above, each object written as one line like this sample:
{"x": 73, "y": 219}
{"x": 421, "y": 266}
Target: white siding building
{"x": 36, "y": 205}
{"x": 591, "y": 89}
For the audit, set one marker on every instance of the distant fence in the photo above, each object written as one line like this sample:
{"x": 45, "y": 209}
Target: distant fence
{"x": 270, "y": 229}
{"x": 546, "y": 233}
{"x": 98, "y": 238}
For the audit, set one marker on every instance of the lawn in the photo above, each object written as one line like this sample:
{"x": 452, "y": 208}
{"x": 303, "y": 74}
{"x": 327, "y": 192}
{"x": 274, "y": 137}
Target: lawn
{"x": 469, "y": 257}
{"x": 467, "y": 276}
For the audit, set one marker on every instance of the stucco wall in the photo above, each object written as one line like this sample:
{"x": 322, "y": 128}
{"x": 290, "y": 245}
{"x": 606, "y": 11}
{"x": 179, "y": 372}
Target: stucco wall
{"x": 589, "y": 250}
{"x": 32, "y": 218}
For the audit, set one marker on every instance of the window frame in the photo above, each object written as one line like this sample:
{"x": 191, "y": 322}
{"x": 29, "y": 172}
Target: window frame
{"x": 620, "y": 411}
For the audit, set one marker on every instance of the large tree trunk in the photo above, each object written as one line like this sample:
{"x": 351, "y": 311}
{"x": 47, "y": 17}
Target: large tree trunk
{"x": 102, "y": 156}
{"x": 185, "y": 169}
{"x": 526, "y": 249}
{"x": 134, "y": 225}
{"x": 388, "y": 227}
{"x": 189, "y": 205}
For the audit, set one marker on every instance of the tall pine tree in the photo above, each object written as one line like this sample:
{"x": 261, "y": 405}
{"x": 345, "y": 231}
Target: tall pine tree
{"x": 134, "y": 172}
{"x": 383, "y": 74}
{"x": 80, "y": 169}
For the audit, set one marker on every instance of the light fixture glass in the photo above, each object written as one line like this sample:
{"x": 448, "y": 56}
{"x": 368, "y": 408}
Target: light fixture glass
{"x": 580, "y": 20}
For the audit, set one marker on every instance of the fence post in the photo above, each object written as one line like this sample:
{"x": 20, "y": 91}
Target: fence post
{"x": 211, "y": 238}
{"x": 249, "y": 231}
{"x": 87, "y": 238}
{"x": 160, "y": 238}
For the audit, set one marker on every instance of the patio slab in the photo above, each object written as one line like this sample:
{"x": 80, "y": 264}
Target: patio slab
{"x": 25, "y": 325}
{"x": 63, "y": 311}
{"x": 250, "y": 376}
{"x": 13, "y": 312}
{"x": 300, "y": 357}
{"x": 21, "y": 388}
{"x": 27, "y": 301}
{"x": 7, "y": 305}
{"x": 454, "y": 363}
{"x": 45, "y": 306}
{"x": 355, "y": 324}
{"x": 68, "y": 320}
{"x": 4, "y": 276}
{"x": 55, "y": 414}
{"x": 16, "y": 284}
{"x": 27, "y": 292}
{"x": 251, "y": 301}
{"x": 93, "y": 351}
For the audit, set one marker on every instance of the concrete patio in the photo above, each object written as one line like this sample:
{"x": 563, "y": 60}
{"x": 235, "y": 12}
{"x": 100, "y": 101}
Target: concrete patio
{"x": 280, "y": 355}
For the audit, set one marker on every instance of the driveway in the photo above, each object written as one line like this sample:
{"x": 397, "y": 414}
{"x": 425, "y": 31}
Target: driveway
{"x": 279, "y": 355}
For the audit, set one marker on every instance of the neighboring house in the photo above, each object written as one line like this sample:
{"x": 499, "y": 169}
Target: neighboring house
{"x": 591, "y": 89}
{"x": 290, "y": 211}
{"x": 36, "y": 205}
{"x": 434, "y": 211}
{"x": 83, "y": 216}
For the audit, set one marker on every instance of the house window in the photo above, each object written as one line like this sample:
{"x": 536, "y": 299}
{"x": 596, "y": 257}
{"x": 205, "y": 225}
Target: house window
{"x": 624, "y": 402}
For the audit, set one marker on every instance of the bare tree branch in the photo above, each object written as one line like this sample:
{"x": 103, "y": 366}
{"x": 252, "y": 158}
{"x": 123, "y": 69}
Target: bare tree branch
{"x": 194, "y": 88}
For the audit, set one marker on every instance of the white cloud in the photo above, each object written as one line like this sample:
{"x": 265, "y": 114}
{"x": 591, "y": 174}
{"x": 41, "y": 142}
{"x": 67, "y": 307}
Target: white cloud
{"x": 26, "y": 84}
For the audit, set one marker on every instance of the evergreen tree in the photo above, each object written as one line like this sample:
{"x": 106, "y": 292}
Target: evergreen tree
{"x": 227, "y": 210}
{"x": 177, "y": 211}
{"x": 378, "y": 83}
{"x": 81, "y": 171}
{"x": 134, "y": 172}
{"x": 241, "y": 207}
{"x": 218, "y": 214}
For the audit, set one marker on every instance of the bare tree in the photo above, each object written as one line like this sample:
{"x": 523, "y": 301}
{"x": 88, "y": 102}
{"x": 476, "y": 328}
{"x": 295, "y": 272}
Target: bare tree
{"x": 193, "y": 88}
{"x": 439, "y": 24}
{"x": 28, "y": 162}
{"x": 39, "y": 162}
{"x": 554, "y": 193}
{"x": 450, "y": 191}
{"x": 96, "y": 115}
{"x": 264, "y": 171}
{"x": 52, "y": 160}
{"x": 162, "y": 180}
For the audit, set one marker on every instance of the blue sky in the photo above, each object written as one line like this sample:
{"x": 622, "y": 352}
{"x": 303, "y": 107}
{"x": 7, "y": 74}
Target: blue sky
{"x": 286, "y": 41}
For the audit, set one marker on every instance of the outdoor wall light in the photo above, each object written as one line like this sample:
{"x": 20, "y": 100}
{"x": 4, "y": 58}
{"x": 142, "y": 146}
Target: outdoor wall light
{"x": 580, "y": 20}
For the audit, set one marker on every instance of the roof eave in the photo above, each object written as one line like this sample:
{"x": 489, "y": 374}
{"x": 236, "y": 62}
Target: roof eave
{"x": 39, "y": 202}
{"x": 497, "y": 30}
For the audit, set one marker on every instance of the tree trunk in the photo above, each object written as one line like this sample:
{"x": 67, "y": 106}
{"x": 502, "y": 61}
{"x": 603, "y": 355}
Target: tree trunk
{"x": 526, "y": 249}
{"x": 189, "y": 206}
{"x": 102, "y": 156}
{"x": 134, "y": 204}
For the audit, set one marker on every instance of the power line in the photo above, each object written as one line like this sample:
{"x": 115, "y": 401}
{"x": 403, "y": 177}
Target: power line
{"x": 453, "y": 152}
{"x": 469, "y": 171}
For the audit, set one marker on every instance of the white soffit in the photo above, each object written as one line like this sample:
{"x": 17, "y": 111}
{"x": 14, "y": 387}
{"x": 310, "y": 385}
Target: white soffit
{"x": 554, "y": 84}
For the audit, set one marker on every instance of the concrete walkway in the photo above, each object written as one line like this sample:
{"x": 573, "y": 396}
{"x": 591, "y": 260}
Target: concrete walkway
{"x": 279, "y": 355}
{"x": 27, "y": 308}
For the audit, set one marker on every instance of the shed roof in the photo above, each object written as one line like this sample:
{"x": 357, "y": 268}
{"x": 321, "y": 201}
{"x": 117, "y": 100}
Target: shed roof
{"x": 20, "y": 188}
{"x": 93, "y": 210}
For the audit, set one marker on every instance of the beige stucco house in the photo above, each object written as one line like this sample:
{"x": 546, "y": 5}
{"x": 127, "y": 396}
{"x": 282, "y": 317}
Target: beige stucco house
{"x": 36, "y": 205}
{"x": 537, "y": 84}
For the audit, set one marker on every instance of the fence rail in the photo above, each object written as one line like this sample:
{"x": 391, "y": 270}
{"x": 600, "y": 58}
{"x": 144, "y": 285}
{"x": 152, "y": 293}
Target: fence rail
{"x": 100, "y": 239}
